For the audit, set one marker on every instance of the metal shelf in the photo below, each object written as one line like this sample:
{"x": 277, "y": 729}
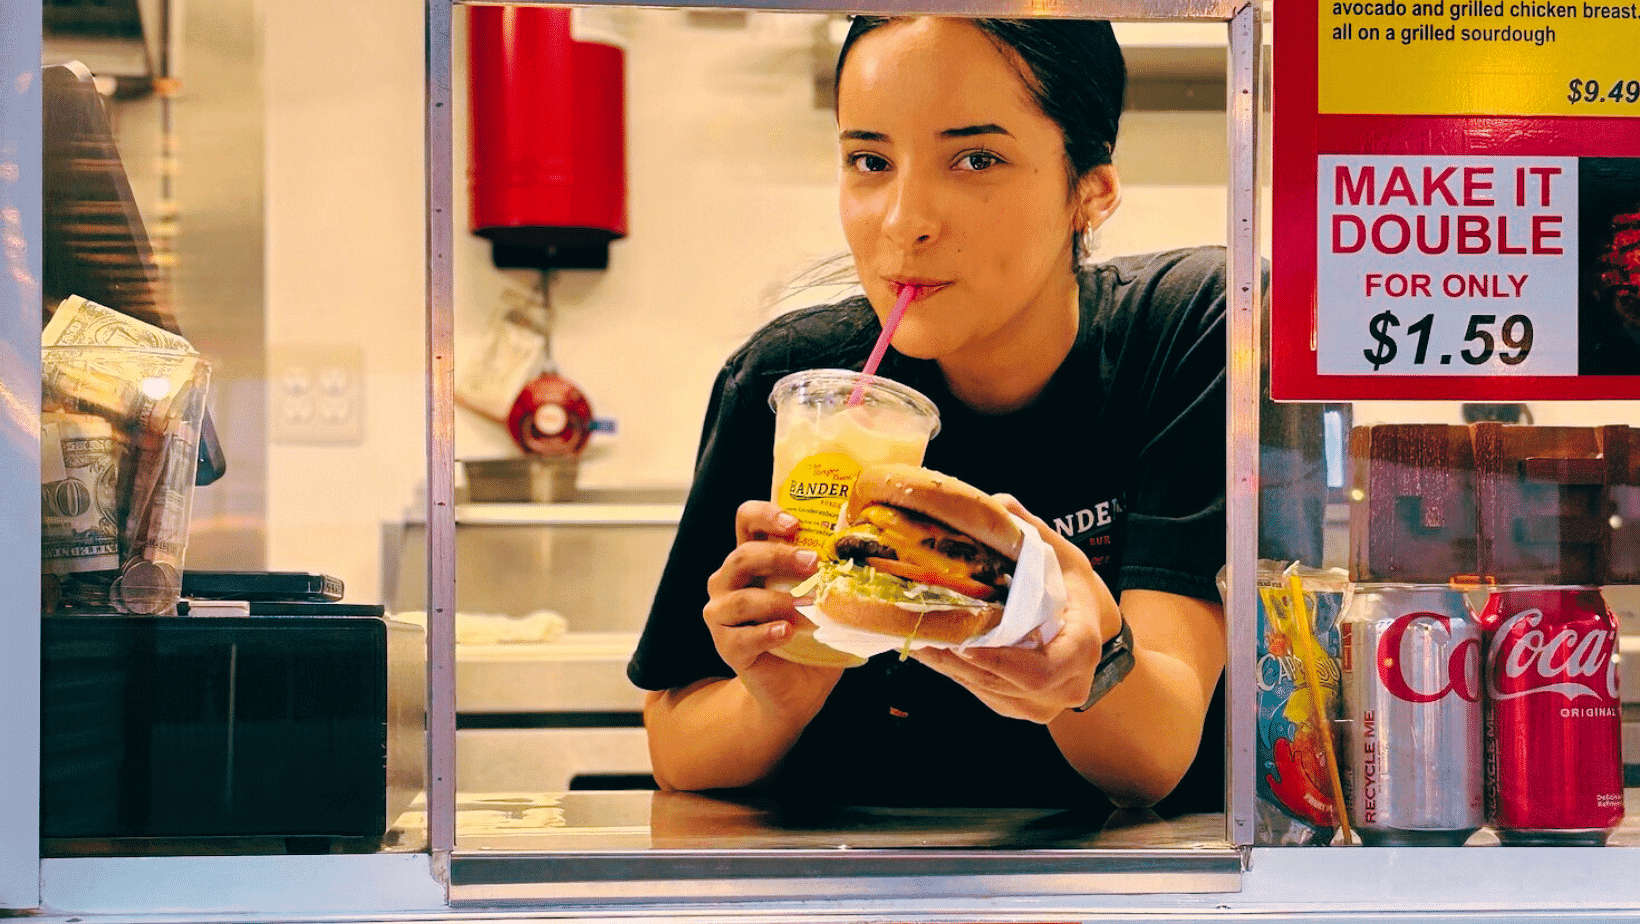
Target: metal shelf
{"x": 568, "y": 514}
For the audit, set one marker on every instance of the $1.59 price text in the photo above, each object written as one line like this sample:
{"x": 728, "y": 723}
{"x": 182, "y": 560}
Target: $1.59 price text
{"x": 1509, "y": 340}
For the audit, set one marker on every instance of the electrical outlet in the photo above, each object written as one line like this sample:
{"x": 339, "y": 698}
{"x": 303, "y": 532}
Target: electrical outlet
{"x": 318, "y": 393}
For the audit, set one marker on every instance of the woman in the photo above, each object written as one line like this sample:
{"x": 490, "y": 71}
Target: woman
{"x": 976, "y": 157}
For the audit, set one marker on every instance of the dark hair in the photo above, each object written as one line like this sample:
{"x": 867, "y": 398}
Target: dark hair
{"x": 1076, "y": 75}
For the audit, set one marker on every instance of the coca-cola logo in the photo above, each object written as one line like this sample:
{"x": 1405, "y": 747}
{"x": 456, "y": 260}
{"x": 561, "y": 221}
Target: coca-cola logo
{"x": 1524, "y": 659}
{"x": 1462, "y": 673}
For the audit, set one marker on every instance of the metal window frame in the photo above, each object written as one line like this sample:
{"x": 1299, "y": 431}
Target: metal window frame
{"x": 20, "y": 255}
{"x": 516, "y": 878}
{"x": 19, "y": 438}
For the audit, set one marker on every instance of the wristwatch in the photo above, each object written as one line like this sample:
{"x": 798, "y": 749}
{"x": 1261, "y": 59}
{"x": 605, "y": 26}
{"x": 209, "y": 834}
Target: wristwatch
{"x": 1115, "y": 661}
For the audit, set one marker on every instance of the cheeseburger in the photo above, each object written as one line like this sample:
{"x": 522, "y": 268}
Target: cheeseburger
{"x": 917, "y": 555}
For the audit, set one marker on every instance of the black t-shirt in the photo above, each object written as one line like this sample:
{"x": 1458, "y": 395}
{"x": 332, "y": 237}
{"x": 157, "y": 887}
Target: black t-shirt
{"x": 1122, "y": 453}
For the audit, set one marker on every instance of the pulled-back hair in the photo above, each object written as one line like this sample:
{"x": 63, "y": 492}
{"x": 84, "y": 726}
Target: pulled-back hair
{"x": 1074, "y": 71}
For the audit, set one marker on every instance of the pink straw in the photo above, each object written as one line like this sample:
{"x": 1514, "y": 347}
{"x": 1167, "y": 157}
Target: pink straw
{"x": 907, "y": 294}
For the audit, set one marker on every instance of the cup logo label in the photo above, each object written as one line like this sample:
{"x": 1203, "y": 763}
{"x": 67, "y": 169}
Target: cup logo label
{"x": 815, "y": 491}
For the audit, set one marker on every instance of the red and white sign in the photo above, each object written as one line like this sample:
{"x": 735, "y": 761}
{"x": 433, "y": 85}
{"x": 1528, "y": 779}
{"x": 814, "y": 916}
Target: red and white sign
{"x": 1454, "y": 217}
{"x": 1442, "y": 265}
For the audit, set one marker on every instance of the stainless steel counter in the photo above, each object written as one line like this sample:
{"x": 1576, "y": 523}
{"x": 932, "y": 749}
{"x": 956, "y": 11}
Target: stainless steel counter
{"x": 630, "y": 847}
{"x": 665, "y": 821}
{"x": 619, "y": 847}
{"x": 552, "y": 711}
{"x": 664, "y": 857}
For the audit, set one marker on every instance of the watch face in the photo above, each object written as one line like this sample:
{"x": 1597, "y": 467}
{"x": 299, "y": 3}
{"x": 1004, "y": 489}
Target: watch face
{"x": 1115, "y": 662}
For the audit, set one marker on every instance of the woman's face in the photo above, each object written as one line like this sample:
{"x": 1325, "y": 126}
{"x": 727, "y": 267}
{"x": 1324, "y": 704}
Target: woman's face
{"x": 954, "y": 180}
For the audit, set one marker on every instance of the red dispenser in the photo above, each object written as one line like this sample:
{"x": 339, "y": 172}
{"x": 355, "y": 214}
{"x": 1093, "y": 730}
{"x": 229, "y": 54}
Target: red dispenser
{"x": 548, "y": 132}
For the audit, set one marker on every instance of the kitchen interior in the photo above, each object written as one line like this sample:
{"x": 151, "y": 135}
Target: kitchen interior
{"x": 276, "y": 150}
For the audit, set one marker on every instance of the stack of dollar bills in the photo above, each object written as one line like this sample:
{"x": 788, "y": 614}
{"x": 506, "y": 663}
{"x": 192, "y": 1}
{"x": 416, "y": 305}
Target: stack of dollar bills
{"x": 122, "y": 403}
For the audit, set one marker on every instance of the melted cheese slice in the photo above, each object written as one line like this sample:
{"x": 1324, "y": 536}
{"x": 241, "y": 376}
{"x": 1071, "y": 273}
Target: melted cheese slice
{"x": 908, "y": 535}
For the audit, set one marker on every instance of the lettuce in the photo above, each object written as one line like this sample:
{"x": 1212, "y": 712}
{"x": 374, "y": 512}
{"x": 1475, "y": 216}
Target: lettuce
{"x": 867, "y": 582}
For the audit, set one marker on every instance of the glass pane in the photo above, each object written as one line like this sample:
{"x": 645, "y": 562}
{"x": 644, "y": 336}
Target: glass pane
{"x": 1510, "y": 523}
{"x": 731, "y": 222}
{"x": 187, "y": 233}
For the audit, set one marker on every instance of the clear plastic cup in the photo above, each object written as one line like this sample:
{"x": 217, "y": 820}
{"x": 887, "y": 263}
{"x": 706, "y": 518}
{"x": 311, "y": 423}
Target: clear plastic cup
{"x": 119, "y": 441}
{"x": 821, "y": 443}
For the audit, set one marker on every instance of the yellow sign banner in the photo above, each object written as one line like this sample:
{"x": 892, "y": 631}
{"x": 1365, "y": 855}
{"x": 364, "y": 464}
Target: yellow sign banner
{"x": 1480, "y": 57}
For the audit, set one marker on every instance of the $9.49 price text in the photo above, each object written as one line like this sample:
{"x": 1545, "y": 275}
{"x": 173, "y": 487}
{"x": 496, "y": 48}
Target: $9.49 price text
{"x": 1583, "y": 90}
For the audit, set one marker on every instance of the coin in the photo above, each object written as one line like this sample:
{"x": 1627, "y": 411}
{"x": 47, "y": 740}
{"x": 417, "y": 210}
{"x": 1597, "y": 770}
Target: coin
{"x": 147, "y": 587}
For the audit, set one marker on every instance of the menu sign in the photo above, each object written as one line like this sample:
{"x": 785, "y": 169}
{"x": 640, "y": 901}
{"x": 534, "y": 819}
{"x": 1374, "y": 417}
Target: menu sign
{"x": 1457, "y": 201}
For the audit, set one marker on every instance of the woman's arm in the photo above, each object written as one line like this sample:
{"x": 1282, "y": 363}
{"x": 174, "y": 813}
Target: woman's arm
{"x": 721, "y": 733}
{"x": 1137, "y": 742}
{"x": 715, "y": 735}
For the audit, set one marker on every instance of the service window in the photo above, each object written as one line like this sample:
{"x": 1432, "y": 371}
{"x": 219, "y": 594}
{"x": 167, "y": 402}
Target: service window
{"x": 596, "y": 311}
{"x": 233, "y": 408}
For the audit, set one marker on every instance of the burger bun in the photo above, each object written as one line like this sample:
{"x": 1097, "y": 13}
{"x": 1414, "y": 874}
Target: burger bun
{"x": 952, "y": 626}
{"x": 940, "y": 497}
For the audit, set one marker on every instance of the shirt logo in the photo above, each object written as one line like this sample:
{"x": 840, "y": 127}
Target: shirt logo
{"x": 1090, "y": 520}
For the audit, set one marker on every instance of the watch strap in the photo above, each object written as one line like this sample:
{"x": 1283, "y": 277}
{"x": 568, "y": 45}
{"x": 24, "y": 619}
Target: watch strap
{"x": 1115, "y": 663}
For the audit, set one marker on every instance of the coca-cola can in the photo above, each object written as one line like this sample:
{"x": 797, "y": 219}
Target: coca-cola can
{"x": 1554, "y": 722}
{"x": 1411, "y": 663}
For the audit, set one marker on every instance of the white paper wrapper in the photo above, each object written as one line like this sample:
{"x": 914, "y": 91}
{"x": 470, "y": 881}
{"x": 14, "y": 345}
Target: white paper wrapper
{"x": 1035, "y": 598}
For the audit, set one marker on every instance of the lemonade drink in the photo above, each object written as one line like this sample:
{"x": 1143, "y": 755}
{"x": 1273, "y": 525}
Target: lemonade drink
{"x": 820, "y": 444}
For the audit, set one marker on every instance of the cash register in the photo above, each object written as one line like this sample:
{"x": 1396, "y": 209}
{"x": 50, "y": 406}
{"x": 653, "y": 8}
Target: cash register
{"x": 299, "y": 721}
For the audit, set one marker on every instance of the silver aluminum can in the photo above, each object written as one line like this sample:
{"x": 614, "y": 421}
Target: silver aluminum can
{"x": 1413, "y": 754}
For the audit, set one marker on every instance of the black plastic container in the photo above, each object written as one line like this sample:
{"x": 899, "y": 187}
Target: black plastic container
{"x": 235, "y": 726}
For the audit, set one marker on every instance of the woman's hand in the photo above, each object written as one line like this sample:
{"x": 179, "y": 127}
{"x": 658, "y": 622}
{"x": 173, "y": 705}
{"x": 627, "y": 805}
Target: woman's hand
{"x": 729, "y": 732}
{"x": 1038, "y": 684}
{"x": 748, "y": 618}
